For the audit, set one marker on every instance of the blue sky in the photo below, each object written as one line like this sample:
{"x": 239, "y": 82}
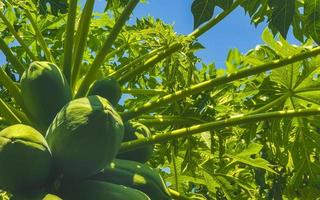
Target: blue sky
{"x": 235, "y": 31}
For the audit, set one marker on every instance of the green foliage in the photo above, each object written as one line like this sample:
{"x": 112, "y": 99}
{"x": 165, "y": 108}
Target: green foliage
{"x": 56, "y": 6}
{"x": 216, "y": 138}
{"x": 312, "y": 16}
{"x": 84, "y": 137}
{"x": 280, "y": 15}
{"x": 203, "y": 10}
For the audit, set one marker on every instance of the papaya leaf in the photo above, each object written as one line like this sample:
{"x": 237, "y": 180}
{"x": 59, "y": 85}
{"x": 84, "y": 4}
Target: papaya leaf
{"x": 257, "y": 10}
{"x": 246, "y": 157}
{"x": 116, "y": 4}
{"x": 202, "y": 11}
{"x": 56, "y": 7}
{"x": 224, "y": 4}
{"x": 282, "y": 15}
{"x": 312, "y": 19}
{"x": 282, "y": 47}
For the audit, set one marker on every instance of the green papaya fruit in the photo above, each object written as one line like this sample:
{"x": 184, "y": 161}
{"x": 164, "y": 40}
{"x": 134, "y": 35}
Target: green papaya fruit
{"x": 97, "y": 190}
{"x": 133, "y": 131}
{"x": 51, "y": 197}
{"x": 106, "y": 88}
{"x": 136, "y": 175}
{"x": 25, "y": 159}
{"x": 44, "y": 91}
{"x": 85, "y": 136}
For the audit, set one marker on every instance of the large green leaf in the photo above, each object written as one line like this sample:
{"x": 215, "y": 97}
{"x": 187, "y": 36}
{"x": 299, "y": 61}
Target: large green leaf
{"x": 246, "y": 157}
{"x": 312, "y": 19}
{"x": 56, "y": 6}
{"x": 282, "y": 15}
{"x": 202, "y": 11}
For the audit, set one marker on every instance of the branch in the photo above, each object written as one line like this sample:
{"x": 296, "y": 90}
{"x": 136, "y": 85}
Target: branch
{"x": 149, "y": 63}
{"x": 81, "y": 40}
{"x": 117, "y": 74}
{"x": 211, "y": 23}
{"x": 11, "y": 57}
{"x": 17, "y": 37}
{"x": 68, "y": 43}
{"x": 183, "y": 132}
{"x": 7, "y": 113}
{"x": 210, "y": 84}
{"x": 14, "y": 91}
{"x": 163, "y": 120}
{"x": 143, "y": 91}
{"x": 273, "y": 103}
{"x": 98, "y": 61}
{"x": 21, "y": 115}
{"x": 176, "y": 46}
{"x": 40, "y": 37}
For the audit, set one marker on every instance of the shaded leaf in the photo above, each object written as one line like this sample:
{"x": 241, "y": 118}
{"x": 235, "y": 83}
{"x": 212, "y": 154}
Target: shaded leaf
{"x": 202, "y": 11}
{"x": 312, "y": 19}
{"x": 56, "y": 7}
{"x": 245, "y": 157}
{"x": 282, "y": 15}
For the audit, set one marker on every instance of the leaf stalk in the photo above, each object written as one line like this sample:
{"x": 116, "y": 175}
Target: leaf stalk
{"x": 210, "y": 84}
{"x": 98, "y": 61}
{"x": 233, "y": 121}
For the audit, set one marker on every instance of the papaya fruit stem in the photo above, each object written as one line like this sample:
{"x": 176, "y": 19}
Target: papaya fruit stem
{"x": 68, "y": 43}
{"x": 209, "y": 84}
{"x": 233, "y": 121}
{"x": 99, "y": 59}
{"x": 17, "y": 37}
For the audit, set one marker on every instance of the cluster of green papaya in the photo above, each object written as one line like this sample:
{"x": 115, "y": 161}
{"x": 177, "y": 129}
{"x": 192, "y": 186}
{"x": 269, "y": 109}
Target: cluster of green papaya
{"x": 70, "y": 151}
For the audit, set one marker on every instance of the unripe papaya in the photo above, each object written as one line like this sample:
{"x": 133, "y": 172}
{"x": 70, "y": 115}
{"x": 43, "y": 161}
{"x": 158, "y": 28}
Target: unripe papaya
{"x": 85, "y": 136}
{"x": 97, "y": 190}
{"x": 44, "y": 91}
{"x": 106, "y": 88}
{"x": 25, "y": 159}
{"x": 135, "y": 175}
{"x": 51, "y": 197}
{"x": 133, "y": 131}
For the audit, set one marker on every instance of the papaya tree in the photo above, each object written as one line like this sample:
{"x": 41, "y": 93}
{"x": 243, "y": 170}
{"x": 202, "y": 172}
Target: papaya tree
{"x": 250, "y": 130}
